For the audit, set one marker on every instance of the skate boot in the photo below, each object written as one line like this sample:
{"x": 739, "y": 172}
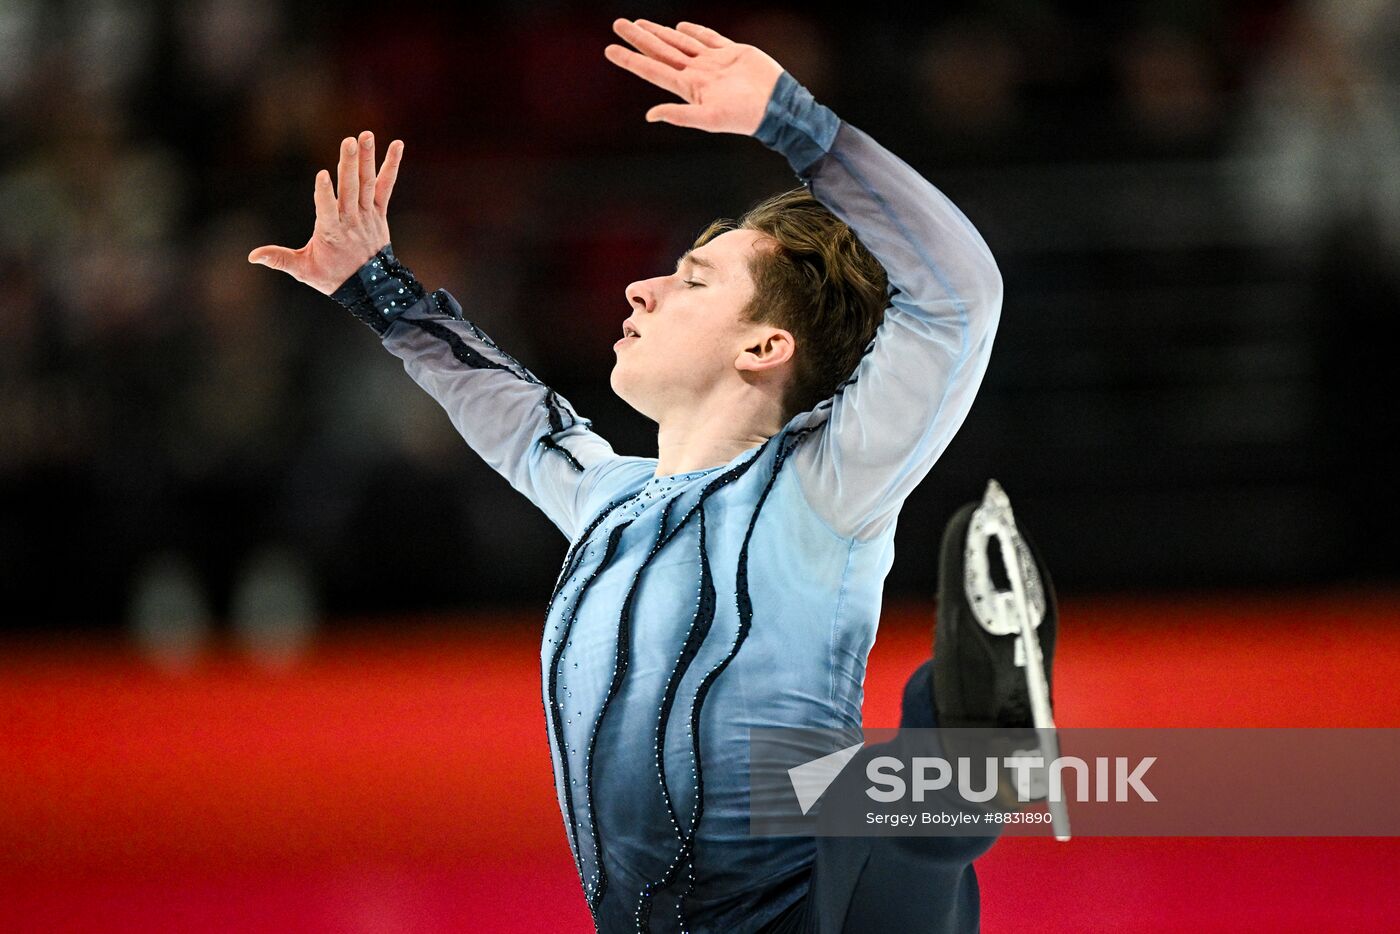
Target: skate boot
{"x": 994, "y": 642}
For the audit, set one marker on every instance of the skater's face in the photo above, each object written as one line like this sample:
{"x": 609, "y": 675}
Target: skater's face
{"x": 692, "y": 338}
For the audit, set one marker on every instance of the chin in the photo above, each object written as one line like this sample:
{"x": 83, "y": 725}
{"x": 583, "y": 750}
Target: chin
{"x": 628, "y": 392}
{"x": 621, "y": 386}
{"x": 618, "y": 382}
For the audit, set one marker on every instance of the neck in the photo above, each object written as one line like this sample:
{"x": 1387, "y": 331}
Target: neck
{"x": 713, "y": 434}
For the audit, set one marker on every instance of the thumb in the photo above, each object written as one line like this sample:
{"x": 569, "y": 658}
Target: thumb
{"x": 275, "y": 257}
{"x": 675, "y": 114}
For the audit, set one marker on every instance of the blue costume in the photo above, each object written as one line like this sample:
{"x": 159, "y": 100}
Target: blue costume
{"x": 692, "y": 607}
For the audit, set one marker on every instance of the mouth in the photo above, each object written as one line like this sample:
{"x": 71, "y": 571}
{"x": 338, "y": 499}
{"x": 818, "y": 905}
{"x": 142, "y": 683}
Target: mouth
{"x": 629, "y": 334}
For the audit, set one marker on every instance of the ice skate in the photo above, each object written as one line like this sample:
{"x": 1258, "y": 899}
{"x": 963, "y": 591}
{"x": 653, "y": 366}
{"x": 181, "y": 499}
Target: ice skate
{"x": 994, "y": 642}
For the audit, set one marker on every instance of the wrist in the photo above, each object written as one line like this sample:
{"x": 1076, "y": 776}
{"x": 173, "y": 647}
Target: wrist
{"x": 380, "y": 290}
{"x": 795, "y": 125}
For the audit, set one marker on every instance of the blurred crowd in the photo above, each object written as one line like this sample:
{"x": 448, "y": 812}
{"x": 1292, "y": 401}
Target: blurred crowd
{"x": 184, "y": 433}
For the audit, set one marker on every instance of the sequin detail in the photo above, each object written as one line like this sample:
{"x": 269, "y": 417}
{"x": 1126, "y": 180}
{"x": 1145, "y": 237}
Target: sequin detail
{"x": 699, "y": 628}
{"x": 744, "y": 605}
{"x": 555, "y": 705}
{"x": 380, "y": 290}
{"x": 550, "y": 697}
{"x": 596, "y": 888}
{"x": 578, "y": 791}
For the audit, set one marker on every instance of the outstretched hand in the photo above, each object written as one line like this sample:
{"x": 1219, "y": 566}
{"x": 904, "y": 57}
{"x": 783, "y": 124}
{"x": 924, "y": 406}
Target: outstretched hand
{"x": 352, "y": 223}
{"x": 725, "y": 84}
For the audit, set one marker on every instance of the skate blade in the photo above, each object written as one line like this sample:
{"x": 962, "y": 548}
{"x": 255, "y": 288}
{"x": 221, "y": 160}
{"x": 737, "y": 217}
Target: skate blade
{"x": 1000, "y": 522}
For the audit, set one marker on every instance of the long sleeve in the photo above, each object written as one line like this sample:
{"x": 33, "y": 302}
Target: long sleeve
{"x": 895, "y": 415}
{"x": 520, "y": 427}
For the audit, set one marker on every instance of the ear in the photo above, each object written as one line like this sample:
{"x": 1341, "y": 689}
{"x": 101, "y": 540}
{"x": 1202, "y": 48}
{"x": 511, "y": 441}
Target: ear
{"x": 773, "y": 348}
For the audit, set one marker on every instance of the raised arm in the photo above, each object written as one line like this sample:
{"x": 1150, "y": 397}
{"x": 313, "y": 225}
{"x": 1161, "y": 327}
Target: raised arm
{"x": 521, "y": 427}
{"x": 885, "y": 427}
{"x": 895, "y": 415}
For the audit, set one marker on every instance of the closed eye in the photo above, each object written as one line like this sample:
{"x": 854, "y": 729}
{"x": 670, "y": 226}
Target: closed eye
{"x": 692, "y": 283}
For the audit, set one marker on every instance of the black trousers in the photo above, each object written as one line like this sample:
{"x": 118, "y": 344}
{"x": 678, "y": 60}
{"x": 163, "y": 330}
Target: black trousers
{"x": 901, "y": 885}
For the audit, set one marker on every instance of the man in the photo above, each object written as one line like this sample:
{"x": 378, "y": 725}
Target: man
{"x": 805, "y": 367}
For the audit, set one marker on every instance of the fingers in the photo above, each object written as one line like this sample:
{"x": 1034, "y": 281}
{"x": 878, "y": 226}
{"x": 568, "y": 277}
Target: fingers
{"x": 704, "y": 34}
{"x": 650, "y": 43}
{"x": 388, "y": 174}
{"x": 366, "y": 179}
{"x": 686, "y": 44}
{"x": 663, "y": 76}
{"x": 358, "y": 189}
{"x": 348, "y": 177}
{"x": 675, "y": 114}
{"x": 324, "y": 196}
{"x": 274, "y": 257}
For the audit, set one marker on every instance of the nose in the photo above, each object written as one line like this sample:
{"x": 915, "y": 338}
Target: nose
{"x": 641, "y": 295}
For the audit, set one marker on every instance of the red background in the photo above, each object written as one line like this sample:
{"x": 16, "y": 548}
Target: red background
{"x": 401, "y": 782}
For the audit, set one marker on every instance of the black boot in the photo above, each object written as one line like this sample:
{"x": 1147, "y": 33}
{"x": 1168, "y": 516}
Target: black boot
{"x": 980, "y": 664}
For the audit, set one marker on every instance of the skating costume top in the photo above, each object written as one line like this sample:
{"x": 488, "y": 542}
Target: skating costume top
{"x": 696, "y": 606}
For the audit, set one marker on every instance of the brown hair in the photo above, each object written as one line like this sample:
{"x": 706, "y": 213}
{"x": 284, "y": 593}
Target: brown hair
{"x": 820, "y": 283}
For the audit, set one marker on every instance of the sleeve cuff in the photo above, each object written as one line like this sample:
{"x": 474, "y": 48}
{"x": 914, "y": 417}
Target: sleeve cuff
{"x": 795, "y": 125}
{"x": 380, "y": 290}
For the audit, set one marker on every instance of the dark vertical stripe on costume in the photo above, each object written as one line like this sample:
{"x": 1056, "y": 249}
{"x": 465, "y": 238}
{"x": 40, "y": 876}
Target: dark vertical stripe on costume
{"x": 595, "y": 895}
{"x": 551, "y": 679}
{"x": 699, "y": 629}
{"x": 595, "y": 890}
{"x": 578, "y": 546}
{"x": 744, "y": 606}
{"x": 550, "y": 684}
